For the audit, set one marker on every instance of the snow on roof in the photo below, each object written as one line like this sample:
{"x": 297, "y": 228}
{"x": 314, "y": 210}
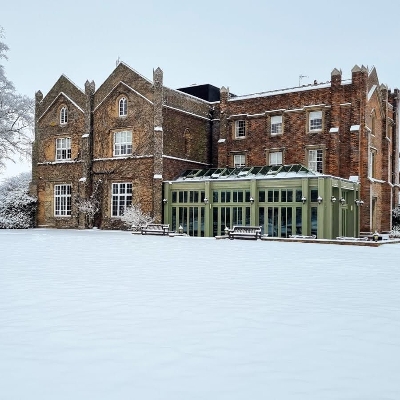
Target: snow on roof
{"x": 262, "y": 172}
{"x": 129, "y": 87}
{"x": 288, "y": 90}
{"x": 67, "y": 97}
{"x": 280, "y": 91}
{"x": 66, "y": 77}
{"x": 354, "y": 128}
{"x": 134, "y": 70}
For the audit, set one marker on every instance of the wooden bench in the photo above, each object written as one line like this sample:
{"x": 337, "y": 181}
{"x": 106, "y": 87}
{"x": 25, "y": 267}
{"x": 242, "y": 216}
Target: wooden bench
{"x": 244, "y": 232}
{"x": 155, "y": 229}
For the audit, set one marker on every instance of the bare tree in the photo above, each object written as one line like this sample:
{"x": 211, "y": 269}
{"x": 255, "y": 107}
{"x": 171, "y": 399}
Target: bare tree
{"x": 16, "y": 116}
{"x": 91, "y": 206}
{"x": 134, "y": 217}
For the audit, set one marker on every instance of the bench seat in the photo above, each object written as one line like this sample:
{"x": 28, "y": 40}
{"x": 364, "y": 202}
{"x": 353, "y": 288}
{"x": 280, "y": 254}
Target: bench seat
{"x": 244, "y": 232}
{"x": 155, "y": 229}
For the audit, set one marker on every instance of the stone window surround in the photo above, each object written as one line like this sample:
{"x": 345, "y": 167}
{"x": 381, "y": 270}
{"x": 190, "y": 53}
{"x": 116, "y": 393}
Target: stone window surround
{"x": 310, "y": 110}
{"x": 239, "y": 123}
{"x": 270, "y": 124}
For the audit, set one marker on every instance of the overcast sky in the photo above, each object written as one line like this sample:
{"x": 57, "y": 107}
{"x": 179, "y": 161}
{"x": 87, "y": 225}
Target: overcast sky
{"x": 251, "y": 46}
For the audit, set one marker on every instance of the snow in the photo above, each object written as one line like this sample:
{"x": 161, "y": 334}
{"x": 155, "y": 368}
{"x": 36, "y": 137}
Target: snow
{"x": 371, "y": 92}
{"x": 354, "y": 128}
{"x": 109, "y": 315}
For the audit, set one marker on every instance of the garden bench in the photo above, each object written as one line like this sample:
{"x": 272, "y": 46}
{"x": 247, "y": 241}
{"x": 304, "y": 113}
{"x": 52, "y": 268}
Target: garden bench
{"x": 302, "y": 237}
{"x": 244, "y": 232}
{"x": 155, "y": 229}
{"x": 360, "y": 239}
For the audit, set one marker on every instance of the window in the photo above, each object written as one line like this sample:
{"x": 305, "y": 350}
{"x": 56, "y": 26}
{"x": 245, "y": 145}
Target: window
{"x": 123, "y": 107}
{"x": 121, "y": 198}
{"x": 315, "y": 120}
{"x": 276, "y": 124}
{"x": 62, "y": 200}
{"x": 63, "y": 115}
{"x": 315, "y": 160}
{"x": 63, "y": 149}
{"x": 372, "y": 162}
{"x": 240, "y": 129}
{"x": 122, "y": 143}
{"x": 239, "y": 160}
{"x": 275, "y": 158}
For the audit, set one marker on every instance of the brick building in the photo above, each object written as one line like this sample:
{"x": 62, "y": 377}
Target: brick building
{"x": 121, "y": 141}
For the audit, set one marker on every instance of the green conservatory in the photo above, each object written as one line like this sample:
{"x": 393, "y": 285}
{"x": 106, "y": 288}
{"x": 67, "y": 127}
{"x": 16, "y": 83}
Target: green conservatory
{"x": 283, "y": 200}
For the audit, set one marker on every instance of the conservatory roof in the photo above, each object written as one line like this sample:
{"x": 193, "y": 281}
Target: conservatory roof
{"x": 263, "y": 172}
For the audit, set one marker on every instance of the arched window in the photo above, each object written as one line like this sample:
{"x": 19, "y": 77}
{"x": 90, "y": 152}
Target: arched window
{"x": 63, "y": 115}
{"x": 123, "y": 107}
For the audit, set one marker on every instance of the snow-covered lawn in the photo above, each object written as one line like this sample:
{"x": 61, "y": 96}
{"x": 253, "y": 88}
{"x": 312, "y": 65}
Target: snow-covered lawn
{"x": 111, "y": 315}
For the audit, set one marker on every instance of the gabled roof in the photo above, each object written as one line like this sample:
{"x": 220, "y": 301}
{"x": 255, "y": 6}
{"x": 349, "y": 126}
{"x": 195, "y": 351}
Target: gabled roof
{"x": 128, "y": 76}
{"x": 66, "y": 87}
{"x": 67, "y": 98}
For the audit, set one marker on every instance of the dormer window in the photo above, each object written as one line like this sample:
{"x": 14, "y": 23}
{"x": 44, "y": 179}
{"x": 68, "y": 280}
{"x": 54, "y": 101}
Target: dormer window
{"x": 123, "y": 107}
{"x": 63, "y": 115}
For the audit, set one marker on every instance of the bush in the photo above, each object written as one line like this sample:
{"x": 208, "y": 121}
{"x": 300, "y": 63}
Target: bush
{"x": 134, "y": 218}
{"x": 17, "y": 208}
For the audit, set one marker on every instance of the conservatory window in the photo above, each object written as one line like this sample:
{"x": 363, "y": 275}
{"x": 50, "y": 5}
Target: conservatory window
{"x": 121, "y": 198}
{"x": 62, "y": 200}
{"x": 63, "y": 149}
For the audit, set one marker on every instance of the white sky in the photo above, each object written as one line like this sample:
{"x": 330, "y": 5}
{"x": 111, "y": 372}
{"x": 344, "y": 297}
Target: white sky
{"x": 91, "y": 314}
{"x": 254, "y": 47}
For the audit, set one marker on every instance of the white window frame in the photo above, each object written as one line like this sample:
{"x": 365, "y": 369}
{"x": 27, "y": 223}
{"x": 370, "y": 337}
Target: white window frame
{"x": 372, "y": 163}
{"x": 63, "y": 149}
{"x": 276, "y": 124}
{"x": 315, "y": 121}
{"x": 239, "y": 160}
{"x": 62, "y": 200}
{"x": 64, "y": 115}
{"x": 240, "y": 129}
{"x": 316, "y": 160}
{"x": 122, "y": 143}
{"x": 121, "y": 198}
{"x": 123, "y": 107}
{"x": 275, "y": 158}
